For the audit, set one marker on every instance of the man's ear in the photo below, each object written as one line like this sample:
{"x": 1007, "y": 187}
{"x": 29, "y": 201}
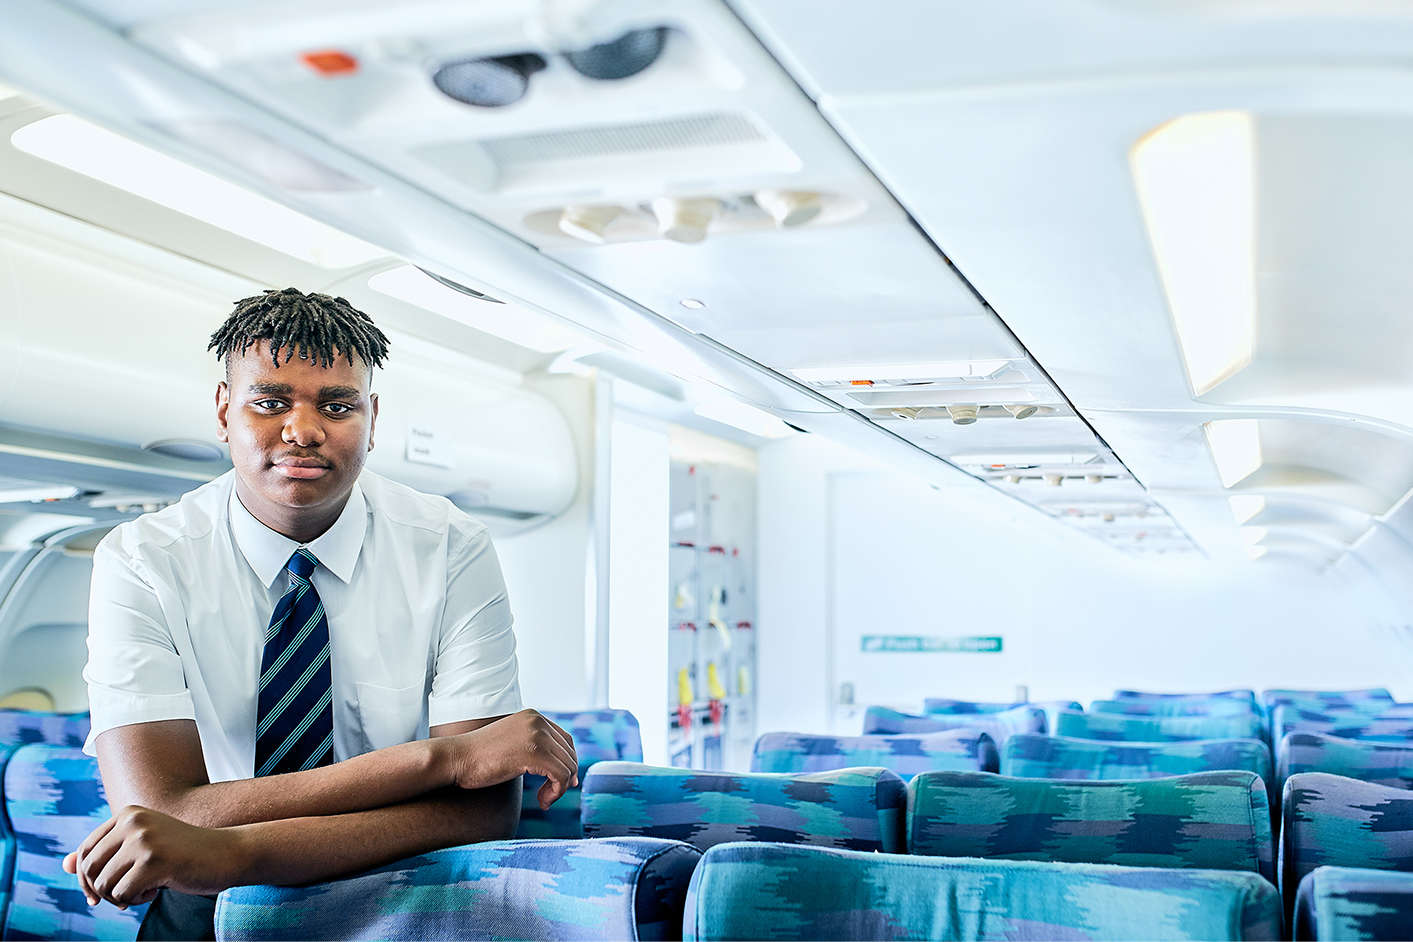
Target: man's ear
{"x": 373, "y": 398}
{"x": 223, "y": 402}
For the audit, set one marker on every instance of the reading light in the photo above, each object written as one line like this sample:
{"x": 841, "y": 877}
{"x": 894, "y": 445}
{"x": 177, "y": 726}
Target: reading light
{"x": 1054, "y": 480}
{"x": 1013, "y": 479}
{"x": 491, "y": 82}
{"x": 789, "y": 207}
{"x": 109, "y": 158}
{"x": 1196, "y": 186}
{"x": 1021, "y": 411}
{"x": 741, "y": 416}
{"x": 962, "y": 414}
{"x": 684, "y": 220}
{"x": 1253, "y": 535}
{"x": 1236, "y": 448}
{"x": 1246, "y": 506}
{"x": 1094, "y": 478}
{"x": 588, "y": 222}
{"x": 950, "y": 369}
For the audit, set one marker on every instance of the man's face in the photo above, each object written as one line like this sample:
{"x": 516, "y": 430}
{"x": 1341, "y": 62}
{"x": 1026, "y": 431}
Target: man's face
{"x": 298, "y": 433}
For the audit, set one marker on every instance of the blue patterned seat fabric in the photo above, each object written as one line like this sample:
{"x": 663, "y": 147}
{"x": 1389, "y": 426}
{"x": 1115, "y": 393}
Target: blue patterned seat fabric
{"x": 907, "y": 755}
{"x": 53, "y": 799}
{"x": 1352, "y": 903}
{"x": 782, "y": 891}
{"x": 1000, "y": 725}
{"x": 624, "y": 888}
{"x": 1372, "y": 699}
{"x": 1112, "y": 726}
{"x": 1061, "y": 757}
{"x": 22, "y": 727}
{"x": 1383, "y": 763}
{"x": 858, "y": 809}
{"x": 1387, "y": 726}
{"x": 1219, "y": 706}
{"x": 1207, "y": 820}
{"x": 599, "y": 736}
{"x": 1338, "y": 821}
{"x": 7, "y": 844}
{"x": 955, "y": 707}
{"x": 1239, "y": 694}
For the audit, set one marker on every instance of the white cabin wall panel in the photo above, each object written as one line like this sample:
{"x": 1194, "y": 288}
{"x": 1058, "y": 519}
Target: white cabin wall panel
{"x": 545, "y": 569}
{"x": 638, "y": 578}
{"x": 1078, "y": 619}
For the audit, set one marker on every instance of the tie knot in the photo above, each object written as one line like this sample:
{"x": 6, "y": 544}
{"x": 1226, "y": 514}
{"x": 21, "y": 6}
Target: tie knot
{"x": 302, "y": 563}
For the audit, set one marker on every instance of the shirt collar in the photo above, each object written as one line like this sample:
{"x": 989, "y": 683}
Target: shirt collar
{"x": 336, "y": 548}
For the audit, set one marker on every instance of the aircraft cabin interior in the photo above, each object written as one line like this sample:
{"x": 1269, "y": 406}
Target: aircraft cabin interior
{"x": 949, "y": 464}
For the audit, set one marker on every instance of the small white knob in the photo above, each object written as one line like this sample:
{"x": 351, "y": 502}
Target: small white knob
{"x": 1021, "y": 411}
{"x": 962, "y": 414}
{"x": 789, "y": 207}
{"x": 588, "y": 222}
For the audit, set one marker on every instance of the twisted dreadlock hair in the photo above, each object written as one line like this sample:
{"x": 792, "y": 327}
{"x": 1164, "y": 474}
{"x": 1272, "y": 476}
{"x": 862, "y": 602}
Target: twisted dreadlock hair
{"x": 316, "y": 326}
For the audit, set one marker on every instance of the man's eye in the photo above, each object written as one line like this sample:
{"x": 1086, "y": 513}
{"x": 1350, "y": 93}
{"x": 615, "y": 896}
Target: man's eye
{"x": 338, "y": 408}
{"x": 267, "y": 404}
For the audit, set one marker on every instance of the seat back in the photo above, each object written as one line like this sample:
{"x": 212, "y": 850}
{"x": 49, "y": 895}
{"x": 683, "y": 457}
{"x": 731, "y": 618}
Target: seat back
{"x": 599, "y": 736}
{"x": 23, "y": 727}
{"x": 53, "y": 799}
{"x": 960, "y": 707}
{"x": 859, "y": 809}
{"x": 1238, "y": 694}
{"x": 7, "y": 844}
{"x": 1369, "y": 698}
{"x": 1354, "y": 903}
{"x": 1338, "y": 821}
{"x": 1000, "y": 726}
{"x": 907, "y": 755}
{"x": 1061, "y": 757}
{"x": 1206, "y": 821}
{"x": 781, "y": 891}
{"x": 1383, "y": 763}
{"x": 1220, "y": 706}
{"x": 1111, "y": 726}
{"x": 1346, "y": 724}
{"x": 626, "y": 888}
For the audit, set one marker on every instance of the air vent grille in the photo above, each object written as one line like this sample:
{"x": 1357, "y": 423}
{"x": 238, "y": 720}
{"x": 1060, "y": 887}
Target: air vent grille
{"x": 695, "y": 131}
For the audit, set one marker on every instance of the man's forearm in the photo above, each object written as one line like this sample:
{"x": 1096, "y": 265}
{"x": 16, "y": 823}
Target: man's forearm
{"x": 373, "y": 780}
{"x": 278, "y": 851}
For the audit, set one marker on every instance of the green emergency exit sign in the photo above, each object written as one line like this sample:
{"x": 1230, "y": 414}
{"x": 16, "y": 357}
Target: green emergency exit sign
{"x": 928, "y": 644}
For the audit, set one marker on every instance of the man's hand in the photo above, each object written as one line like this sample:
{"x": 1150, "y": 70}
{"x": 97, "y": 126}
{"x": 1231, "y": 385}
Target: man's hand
{"x": 133, "y": 854}
{"x": 519, "y": 744}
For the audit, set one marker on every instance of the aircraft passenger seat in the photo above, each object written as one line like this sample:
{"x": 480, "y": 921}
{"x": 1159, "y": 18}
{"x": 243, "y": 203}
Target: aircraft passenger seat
{"x": 1383, "y": 763}
{"x": 22, "y": 727}
{"x": 856, "y": 809}
{"x": 1115, "y": 727}
{"x": 1000, "y": 725}
{"x": 908, "y": 755}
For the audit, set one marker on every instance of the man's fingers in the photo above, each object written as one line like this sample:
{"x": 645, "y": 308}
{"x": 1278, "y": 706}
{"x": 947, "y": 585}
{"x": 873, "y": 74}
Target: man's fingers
{"x": 97, "y": 860}
{"x": 81, "y": 855}
{"x": 568, "y": 740}
{"x": 132, "y": 889}
{"x": 549, "y": 793}
{"x": 107, "y": 883}
{"x": 70, "y": 863}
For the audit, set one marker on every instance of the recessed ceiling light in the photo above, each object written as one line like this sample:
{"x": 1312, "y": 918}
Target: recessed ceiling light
{"x": 1195, "y": 178}
{"x": 36, "y": 494}
{"x": 692, "y": 304}
{"x": 1236, "y": 448}
{"x": 117, "y": 161}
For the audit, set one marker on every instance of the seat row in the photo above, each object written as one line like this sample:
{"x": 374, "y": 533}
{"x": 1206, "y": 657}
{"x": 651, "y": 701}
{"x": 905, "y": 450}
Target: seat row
{"x": 843, "y": 854}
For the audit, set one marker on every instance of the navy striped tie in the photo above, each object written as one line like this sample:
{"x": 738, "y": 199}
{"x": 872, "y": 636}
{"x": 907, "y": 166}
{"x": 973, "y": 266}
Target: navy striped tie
{"x": 295, "y": 720}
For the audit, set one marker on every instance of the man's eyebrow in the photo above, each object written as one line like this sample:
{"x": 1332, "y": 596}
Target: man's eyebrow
{"x": 340, "y": 392}
{"x": 271, "y": 389}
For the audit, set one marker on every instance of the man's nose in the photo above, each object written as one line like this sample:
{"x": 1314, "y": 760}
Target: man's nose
{"x": 303, "y": 427}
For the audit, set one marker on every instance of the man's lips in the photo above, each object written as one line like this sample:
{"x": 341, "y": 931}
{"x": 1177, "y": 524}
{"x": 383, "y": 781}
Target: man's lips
{"x": 301, "y": 468}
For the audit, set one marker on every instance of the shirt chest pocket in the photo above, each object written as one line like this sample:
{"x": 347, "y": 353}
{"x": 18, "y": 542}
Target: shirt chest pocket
{"x": 391, "y": 715}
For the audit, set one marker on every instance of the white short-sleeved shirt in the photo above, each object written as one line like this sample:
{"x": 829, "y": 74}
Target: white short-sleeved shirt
{"x": 419, "y": 623}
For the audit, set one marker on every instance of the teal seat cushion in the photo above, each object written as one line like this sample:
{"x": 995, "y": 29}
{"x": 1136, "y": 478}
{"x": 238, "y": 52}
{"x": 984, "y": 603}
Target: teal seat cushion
{"x": 1351, "y": 904}
{"x": 948, "y": 706}
{"x": 1372, "y": 699}
{"x": 1218, "y": 706}
{"x": 1120, "y": 728}
{"x": 1205, "y": 821}
{"x": 782, "y": 891}
{"x": 999, "y": 725}
{"x": 1393, "y": 725}
{"x": 1063, "y": 757}
{"x": 24, "y": 727}
{"x": 1383, "y": 763}
{"x": 53, "y": 799}
{"x": 905, "y": 754}
{"x": 1240, "y": 693}
{"x": 1331, "y": 820}
{"x": 858, "y": 809}
{"x": 7, "y": 844}
{"x": 627, "y": 888}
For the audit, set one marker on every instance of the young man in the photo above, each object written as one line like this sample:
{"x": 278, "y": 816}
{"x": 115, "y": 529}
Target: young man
{"x": 268, "y": 657}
